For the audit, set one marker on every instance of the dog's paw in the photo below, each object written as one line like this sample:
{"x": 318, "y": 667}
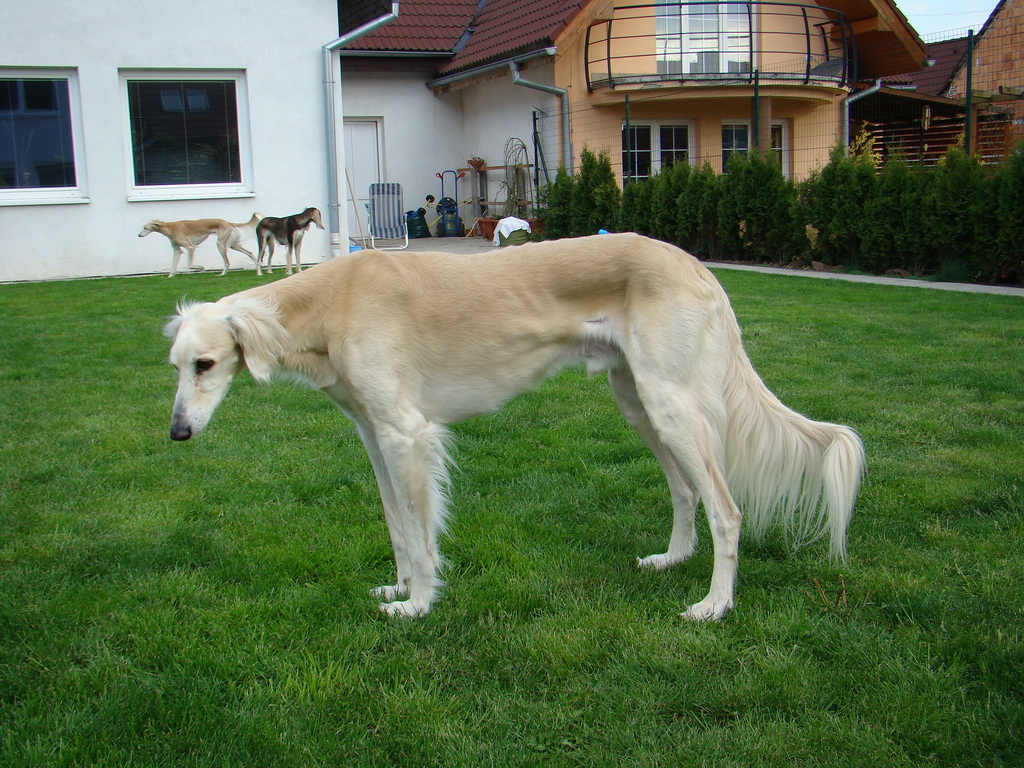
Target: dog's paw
{"x": 406, "y": 608}
{"x": 390, "y": 592}
{"x": 658, "y": 562}
{"x": 707, "y": 610}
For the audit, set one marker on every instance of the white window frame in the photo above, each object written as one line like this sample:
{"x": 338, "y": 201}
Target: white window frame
{"x": 53, "y": 195}
{"x": 244, "y": 188}
{"x": 780, "y": 128}
{"x": 656, "y": 149}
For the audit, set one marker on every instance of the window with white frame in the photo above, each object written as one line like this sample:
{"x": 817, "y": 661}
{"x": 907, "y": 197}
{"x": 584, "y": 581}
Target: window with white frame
{"x": 40, "y": 133}
{"x": 188, "y": 135}
{"x": 703, "y": 38}
{"x": 648, "y": 148}
{"x": 736, "y": 140}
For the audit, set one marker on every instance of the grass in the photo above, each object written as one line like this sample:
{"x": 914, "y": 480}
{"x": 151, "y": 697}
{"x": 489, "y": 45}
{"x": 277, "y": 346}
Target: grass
{"x": 205, "y": 604}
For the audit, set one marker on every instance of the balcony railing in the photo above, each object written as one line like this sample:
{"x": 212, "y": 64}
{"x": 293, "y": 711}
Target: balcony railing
{"x": 720, "y": 43}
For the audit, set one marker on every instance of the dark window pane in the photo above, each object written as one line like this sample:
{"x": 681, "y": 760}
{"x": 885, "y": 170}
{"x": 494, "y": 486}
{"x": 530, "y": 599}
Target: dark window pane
{"x": 735, "y": 139}
{"x": 675, "y": 145}
{"x": 36, "y": 150}
{"x": 636, "y": 157}
{"x": 184, "y": 132}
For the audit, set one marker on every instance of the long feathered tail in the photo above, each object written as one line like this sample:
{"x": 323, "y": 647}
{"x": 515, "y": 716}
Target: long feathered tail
{"x": 784, "y": 469}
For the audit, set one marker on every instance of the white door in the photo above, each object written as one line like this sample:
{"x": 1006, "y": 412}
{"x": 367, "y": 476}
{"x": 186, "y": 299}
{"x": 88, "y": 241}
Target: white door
{"x": 363, "y": 164}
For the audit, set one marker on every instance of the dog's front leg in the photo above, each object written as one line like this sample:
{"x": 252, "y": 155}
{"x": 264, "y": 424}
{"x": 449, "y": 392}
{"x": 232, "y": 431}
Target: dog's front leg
{"x": 298, "y": 250}
{"x": 175, "y": 258}
{"x": 389, "y": 592}
{"x": 415, "y": 458}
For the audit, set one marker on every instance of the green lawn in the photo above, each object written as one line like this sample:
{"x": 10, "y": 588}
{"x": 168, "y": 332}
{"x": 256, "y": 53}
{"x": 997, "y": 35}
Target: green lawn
{"x": 205, "y": 603}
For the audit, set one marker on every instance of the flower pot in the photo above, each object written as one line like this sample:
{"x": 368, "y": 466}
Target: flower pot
{"x": 486, "y": 227}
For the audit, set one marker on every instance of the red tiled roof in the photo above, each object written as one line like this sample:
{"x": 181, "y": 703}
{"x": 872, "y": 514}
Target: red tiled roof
{"x": 933, "y": 81}
{"x": 421, "y": 27}
{"x": 508, "y": 27}
{"x": 474, "y": 32}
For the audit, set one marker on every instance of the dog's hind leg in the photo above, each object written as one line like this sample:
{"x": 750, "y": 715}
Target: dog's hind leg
{"x": 236, "y": 246}
{"x": 270, "y": 252}
{"x": 684, "y": 500}
{"x": 222, "y": 247}
{"x": 684, "y": 424}
{"x": 261, "y": 245}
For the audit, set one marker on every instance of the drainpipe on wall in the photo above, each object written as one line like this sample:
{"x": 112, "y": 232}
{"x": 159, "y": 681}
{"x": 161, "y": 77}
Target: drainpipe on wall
{"x": 563, "y": 98}
{"x": 846, "y": 111}
{"x": 331, "y": 123}
{"x": 513, "y": 65}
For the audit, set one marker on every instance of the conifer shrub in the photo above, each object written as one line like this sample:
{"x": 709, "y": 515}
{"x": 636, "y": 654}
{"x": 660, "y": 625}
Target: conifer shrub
{"x": 833, "y": 206}
{"x": 595, "y": 197}
{"x": 892, "y": 235}
{"x": 1008, "y": 245}
{"x": 556, "y": 206}
{"x": 756, "y": 211}
{"x": 635, "y": 215}
{"x": 953, "y": 208}
{"x": 664, "y": 196}
{"x": 697, "y": 212}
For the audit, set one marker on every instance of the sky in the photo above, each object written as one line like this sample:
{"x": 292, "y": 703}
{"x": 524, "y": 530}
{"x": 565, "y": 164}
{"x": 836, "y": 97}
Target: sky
{"x": 931, "y": 16}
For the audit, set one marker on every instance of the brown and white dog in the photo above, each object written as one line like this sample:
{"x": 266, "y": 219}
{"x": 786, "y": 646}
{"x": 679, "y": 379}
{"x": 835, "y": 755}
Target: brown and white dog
{"x": 409, "y": 344}
{"x": 287, "y": 230}
{"x": 189, "y": 233}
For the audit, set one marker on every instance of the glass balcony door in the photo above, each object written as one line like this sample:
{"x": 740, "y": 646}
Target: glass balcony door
{"x": 703, "y": 38}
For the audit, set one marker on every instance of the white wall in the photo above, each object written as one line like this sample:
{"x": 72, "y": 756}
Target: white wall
{"x": 278, "y": 47}
{"x": 424, "y": 134}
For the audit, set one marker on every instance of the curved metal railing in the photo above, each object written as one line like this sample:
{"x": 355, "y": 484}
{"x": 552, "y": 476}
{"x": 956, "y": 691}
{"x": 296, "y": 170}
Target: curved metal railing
{"x": 720, "y": 43}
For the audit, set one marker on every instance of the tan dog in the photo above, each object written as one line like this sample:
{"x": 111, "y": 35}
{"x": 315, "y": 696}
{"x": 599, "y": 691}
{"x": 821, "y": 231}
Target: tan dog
{"x": 188, "y": 234}
{"x": 410, "y": 343}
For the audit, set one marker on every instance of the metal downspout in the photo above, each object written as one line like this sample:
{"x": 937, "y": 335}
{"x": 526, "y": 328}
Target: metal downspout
{"x": 563, "y": 95}
{"x": 846, "y": 111}
{"x": 331, "y": 123}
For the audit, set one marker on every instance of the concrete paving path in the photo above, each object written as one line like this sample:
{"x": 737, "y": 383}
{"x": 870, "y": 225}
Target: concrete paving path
{"x": 478, "y": 244}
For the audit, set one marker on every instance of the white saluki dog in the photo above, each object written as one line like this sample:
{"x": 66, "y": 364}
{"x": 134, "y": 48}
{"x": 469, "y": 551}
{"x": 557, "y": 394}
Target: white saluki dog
{"x": 407, "y": 344}
{"x": 189, "y": 233}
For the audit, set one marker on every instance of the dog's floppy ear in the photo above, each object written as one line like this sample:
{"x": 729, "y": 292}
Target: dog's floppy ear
{"x": 260, "y": 335}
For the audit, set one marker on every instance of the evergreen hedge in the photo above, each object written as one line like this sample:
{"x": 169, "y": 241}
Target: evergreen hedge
{"x": 959, "y": 220}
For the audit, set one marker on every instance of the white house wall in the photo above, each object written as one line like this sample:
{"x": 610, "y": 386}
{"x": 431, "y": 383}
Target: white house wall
{"x": 423, "y": 134}
{"x": 279, "y": 49}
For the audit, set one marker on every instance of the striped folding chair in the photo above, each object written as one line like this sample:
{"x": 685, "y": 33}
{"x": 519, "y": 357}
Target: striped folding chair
{"x": 387, "y": 217}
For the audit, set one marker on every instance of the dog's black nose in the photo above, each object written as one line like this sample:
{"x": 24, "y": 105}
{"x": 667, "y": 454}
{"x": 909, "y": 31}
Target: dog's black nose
{"x": 179, "y": 432}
